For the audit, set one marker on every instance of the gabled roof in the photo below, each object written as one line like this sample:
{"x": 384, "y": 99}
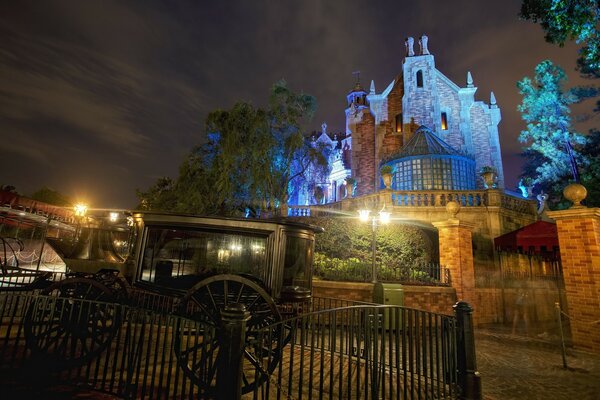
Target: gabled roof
{"x": 424, "y": 142}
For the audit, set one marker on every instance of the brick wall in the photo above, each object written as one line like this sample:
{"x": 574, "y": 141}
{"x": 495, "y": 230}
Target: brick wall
{"x": 491, "y": 305}
{"x": 456, "y": 254}
{"x": 353, "y": 291}
{"x": 579, "y": 239}
{"x": 363, "y": 153}
{"x": 434, "y": 299}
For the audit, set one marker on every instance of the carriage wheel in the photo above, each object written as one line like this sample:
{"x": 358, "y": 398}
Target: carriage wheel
{"x": 115, "y": 282}
{"x": 198, "y": 351}
{"x": 74, "y": 324}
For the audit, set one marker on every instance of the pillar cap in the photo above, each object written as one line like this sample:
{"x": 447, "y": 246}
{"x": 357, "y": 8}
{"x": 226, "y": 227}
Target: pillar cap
{"x": 574, "y": 213}
{"x": 452, "y": 208}
{"x": 454, "y": 223}
{"x": 575, "y": 193}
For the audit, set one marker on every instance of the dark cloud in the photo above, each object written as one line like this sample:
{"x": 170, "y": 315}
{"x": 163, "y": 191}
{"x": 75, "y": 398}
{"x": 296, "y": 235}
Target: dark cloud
{"x": 100, "y": 97}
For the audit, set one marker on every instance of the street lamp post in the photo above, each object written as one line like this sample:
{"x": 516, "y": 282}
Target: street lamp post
{"x": 80, "y": 210}
{"x": 376, "y": 220}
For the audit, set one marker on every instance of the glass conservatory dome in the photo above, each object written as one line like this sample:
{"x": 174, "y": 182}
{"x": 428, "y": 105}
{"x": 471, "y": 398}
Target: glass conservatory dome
{"x": 426, "y": 162}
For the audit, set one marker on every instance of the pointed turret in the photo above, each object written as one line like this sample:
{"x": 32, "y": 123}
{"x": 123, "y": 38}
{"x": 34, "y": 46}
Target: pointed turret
{"x": 493, "y": 100}
{"x": 469, "y": 79}
{"x": 372, "y": 89}
{"x": 357, "y": 96}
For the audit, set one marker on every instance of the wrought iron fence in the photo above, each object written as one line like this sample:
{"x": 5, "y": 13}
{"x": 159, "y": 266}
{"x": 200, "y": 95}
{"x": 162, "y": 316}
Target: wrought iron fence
{"x": 360, "y": 351}
{"x": 363, "y": 352}
{"x": 129, "y": 352}
{"x": 358, "y": 271}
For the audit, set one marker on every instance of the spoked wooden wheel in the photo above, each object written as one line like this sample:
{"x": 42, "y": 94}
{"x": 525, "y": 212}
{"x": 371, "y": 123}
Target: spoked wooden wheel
{"x": 198, "y": 349}
{"x": 74, "y": 324}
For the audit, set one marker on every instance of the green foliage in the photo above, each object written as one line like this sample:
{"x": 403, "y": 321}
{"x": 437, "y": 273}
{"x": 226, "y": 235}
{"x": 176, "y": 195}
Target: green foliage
{"x": 52, "y": 196}
{"x": 340, "y": 269}
{"x": 251, "y": 159}
{"x": 386, "y": 169}
{"x": 486, "y": 169}
{"x": 564, "y": 20}
{"x": 345, "y": 247}
{"x": 551, "y": 144}
{"x": 590, "y": 175}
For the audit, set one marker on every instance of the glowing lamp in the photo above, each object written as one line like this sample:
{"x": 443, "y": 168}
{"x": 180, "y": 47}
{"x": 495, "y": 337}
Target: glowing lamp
{"x": 113, "y": 216}
{"x": 384, "y": 217}
{"x": 364, "y": 215}
{"x": 80, "y": 210}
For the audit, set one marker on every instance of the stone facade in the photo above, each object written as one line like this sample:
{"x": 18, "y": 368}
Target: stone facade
{"x": 378, "y": 125}
{"x": 422, "y": 95}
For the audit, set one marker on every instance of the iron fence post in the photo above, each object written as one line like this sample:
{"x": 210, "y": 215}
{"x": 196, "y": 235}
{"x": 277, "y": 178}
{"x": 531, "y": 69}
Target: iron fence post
{"x": 231, "y": 353}
{"x": 469, "y": 378}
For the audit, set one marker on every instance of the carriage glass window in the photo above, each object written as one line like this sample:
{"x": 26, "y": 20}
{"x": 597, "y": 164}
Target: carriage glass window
{"x": 298, "y": 261}
{"x": 179, "y": 258}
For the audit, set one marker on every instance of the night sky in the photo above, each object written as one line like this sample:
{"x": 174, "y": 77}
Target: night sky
{"x": 98, "y": 98}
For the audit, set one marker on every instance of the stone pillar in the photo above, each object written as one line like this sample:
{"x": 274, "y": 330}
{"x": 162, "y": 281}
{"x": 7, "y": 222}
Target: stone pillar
{"x": 456, "y": 252}
{"x": 579, "y": 240}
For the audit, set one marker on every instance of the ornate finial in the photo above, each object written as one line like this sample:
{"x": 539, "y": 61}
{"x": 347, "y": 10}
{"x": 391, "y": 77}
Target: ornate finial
{"x": 575, "y": 193}
{"x": 372, "y": 90}
{"x": 452, "y": 208}
{"x": 409, "y": 43}
{"x": 493, "y": 100}
{"x": 324, "y": 128}
{"x": 469, "y": 79}
{"x": 542, "y": 197}
{"x": 357, "y": 73}
{"x": 423, "y": 44}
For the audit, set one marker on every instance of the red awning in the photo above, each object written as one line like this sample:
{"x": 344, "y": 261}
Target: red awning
{"x": 540, "y": 238}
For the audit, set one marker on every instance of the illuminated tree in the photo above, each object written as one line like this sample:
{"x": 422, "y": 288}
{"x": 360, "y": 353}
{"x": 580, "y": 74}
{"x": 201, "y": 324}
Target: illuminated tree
{"x": 564, "y": 20}
{"x": 251, "y": 159}
{"x": 549, "y": 135}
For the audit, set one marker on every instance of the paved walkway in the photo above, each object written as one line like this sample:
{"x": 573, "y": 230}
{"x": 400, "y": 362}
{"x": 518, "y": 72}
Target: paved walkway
{"x": 514, "y": 367}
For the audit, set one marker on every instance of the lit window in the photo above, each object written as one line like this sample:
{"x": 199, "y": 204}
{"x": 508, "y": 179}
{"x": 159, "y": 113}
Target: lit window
{"x": 399, "y": 122}
{"x": 444, "y": 121}
{"x": 419, "y": 78}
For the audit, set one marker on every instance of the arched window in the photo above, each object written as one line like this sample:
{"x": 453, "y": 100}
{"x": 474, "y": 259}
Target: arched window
{"x": 419, "y": 78}
{"x": 399, "y": 122}
{"x": 444, "y": 121}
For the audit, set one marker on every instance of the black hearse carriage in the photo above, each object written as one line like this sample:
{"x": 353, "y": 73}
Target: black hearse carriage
{"x": 196, "y": 266}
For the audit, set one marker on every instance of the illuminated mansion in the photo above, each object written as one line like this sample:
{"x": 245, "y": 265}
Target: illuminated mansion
{"x": 432, "y": 132}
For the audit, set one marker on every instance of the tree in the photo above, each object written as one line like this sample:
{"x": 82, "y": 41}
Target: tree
{"x": 52, "y": 196}
{"x": 564, "y": 20}
{"x": 252, "y": 158}
{"x": 590, "y": 176}
{"x": 549, "y": 136}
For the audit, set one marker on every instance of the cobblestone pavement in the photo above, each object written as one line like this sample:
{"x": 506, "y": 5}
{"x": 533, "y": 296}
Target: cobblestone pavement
{"x": 514, "y": 367}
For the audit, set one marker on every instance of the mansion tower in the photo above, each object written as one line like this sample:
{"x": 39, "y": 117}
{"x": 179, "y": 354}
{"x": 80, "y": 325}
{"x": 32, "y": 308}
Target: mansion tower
{"x": 432, "y": 132}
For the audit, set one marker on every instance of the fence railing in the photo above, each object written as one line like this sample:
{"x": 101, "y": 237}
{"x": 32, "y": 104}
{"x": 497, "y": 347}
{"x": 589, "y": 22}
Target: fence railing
{"x": 356, "y": 271}
{"x": 125, "y": 351}
{"x": 362, "y": 351}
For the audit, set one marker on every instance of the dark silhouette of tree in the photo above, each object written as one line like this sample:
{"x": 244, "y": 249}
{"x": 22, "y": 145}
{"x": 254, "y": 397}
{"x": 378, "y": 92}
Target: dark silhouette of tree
{"x": 564, "y": 20}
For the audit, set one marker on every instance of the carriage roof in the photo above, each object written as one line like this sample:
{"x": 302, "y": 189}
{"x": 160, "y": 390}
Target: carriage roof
{"x": 182, "y": 219}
